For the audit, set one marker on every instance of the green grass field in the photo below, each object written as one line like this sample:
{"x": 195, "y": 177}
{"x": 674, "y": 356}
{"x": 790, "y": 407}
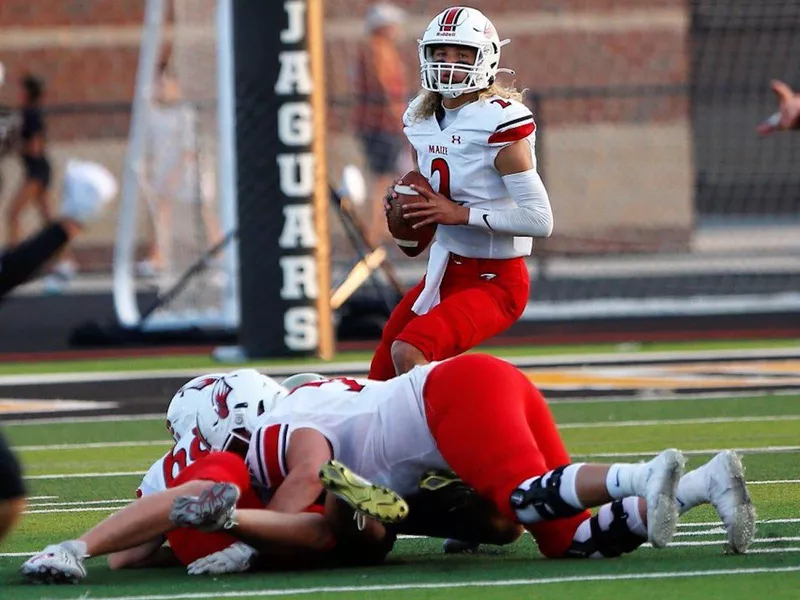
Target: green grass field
{"x": 80, "y": 472}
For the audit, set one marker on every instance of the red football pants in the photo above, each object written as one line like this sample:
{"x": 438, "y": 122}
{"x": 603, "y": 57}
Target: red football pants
{"x": 479, "y": 299}
{"x": 495, "y": 430}
{"x": 190, "y": 544}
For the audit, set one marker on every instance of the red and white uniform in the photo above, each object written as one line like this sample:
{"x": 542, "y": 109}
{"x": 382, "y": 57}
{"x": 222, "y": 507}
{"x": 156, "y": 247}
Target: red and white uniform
{"x": 376, "y": 428}
{"x": 459, "y": 163}
{"x": 163, "y": 473}
{"x": 475, "y": 414}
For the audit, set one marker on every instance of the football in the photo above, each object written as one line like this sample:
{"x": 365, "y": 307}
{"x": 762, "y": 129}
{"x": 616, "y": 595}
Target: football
{"x": 411, "y": 241}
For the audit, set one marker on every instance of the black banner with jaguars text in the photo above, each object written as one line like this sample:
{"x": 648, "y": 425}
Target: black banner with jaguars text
{"x": 283, "y": 240}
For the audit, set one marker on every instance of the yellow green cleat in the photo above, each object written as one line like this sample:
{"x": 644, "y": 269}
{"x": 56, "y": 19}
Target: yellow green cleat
{"x": 366, "y": 498}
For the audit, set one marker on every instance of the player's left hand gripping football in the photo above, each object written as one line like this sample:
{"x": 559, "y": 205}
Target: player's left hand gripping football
{"x": 236, "y": 558}
{"x": 436, "y": 208}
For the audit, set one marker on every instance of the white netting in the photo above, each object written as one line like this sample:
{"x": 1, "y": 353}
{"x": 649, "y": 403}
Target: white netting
{"x": 177, "y": 171}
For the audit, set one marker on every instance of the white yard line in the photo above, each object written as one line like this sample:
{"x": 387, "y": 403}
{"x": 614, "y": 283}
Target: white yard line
{"x": 58, "y": 511}
{"x": 90, "y": 445}
{"x": 761, "y": 450}
{"x": 762, "y": 522}
{"x": 774, "y": 482}
{"x": 85, "y": 475}
{"x": 582, "y": 425}
{"x": 778, "y": 540}
{"x": 343, "y": 368}
{"x": 81, "y": 503}
{"x": 655, "y": 422}
{"x": 454, "y": 584}
{"x": 100, "y": 419}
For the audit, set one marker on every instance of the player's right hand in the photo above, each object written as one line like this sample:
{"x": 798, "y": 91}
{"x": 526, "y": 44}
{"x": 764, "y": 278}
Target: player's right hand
{"x": 390, "y": 195}
{"x": 788, "y": 115}
{"x": 236, "y": 558}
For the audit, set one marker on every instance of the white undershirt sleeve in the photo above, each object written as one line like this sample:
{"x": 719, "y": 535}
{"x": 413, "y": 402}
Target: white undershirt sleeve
{"x": 533, "y": 216}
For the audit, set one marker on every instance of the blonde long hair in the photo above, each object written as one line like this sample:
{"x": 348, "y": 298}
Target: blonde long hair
{"x": 431, "y": 101}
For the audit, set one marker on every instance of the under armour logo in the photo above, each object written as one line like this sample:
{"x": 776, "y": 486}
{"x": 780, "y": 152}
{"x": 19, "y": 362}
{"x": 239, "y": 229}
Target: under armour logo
{"x": 456, "y": 139}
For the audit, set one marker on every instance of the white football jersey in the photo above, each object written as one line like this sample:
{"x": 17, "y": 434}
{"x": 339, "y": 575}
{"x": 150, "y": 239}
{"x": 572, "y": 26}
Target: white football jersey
{"x": 163, "y": 472}
{"x": 377, "y": 428}
{"x": 459, "y": 163}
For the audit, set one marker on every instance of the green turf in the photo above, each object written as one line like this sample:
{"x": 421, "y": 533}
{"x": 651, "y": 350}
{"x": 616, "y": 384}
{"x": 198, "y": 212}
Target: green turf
{"x": 205, "y": 362}
{"x": 489, "y": 574}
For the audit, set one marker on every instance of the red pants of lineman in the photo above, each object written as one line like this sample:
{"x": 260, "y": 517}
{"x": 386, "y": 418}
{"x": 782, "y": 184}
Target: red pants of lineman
{"x": 494, "y": 429}
{"x": 190, "y": 544}
{"x": 474, "y": 307}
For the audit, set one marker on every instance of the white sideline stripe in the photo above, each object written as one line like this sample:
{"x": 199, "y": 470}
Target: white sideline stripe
{"x": 716, "y": 523}
{"x": 42, "y": 497}
{"x": 85, "y": 475}
{"x": 702, "y": 533}
{"x": 455, "y": 584}
{"x": 669, "y": 396}
{"x": 778, "y": 540}
{"x": 99, "y": 419}
{"x": 761, "y": 450}
{"x": 774, "y": 482}
{"x": 701, "y": 421}
{"x": 90, "y": 445}
{"x": 58, "y": 511}
{"x": 342, "y": 368}
{"x": 82, "y": 503}
{"x": 772, "y": 550}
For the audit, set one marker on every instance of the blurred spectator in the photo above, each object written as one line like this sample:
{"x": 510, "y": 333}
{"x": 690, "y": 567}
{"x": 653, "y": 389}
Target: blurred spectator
{"x": 88, "y": 187}
{"x": 7, "y": 125}
{"x": 173, "y": 172}
{"x": 36, "y": 167}
{"x": 788, "y": 115}
{"x": 381, "y": 90}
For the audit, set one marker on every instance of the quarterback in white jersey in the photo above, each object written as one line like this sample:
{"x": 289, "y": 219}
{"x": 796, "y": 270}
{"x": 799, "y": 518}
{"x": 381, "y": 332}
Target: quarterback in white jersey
{"x": 474, "y": 140}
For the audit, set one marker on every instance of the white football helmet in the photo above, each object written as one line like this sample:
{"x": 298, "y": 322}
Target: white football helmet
{"x": 182, "y": 409}
{"x": 232, "y": 410}
{"x": 295, "y": 381}
{"x": 460, "y": 26}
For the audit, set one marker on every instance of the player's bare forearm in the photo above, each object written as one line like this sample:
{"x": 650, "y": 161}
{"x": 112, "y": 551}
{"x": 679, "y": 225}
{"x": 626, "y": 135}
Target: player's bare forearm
{"x": 149, "y": 554}
{"x": 138, "y": 523}
{"x": 308, "y": 451}
{"x": 274, "y": 532}
{"x": 298, "y": 491}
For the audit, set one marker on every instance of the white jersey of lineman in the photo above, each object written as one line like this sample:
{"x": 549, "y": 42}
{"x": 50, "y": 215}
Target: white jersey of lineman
{"x": 159, "y": 477}
{"x": 377, "y": 428}
{"x": 459, "y": 163}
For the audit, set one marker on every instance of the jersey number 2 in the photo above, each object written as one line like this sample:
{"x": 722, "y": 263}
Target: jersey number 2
{"x": 440, "y": 166}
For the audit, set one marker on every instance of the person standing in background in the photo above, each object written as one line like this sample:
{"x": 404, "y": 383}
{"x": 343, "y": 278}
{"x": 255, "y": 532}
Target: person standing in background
{"x": 381, "y": 86}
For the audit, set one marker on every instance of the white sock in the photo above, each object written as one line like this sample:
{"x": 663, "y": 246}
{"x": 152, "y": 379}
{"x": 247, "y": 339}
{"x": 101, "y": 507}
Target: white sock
{"x": 692, "y": 490}
{"x": 621, "y": 480}
{"x": 635, "y": 522}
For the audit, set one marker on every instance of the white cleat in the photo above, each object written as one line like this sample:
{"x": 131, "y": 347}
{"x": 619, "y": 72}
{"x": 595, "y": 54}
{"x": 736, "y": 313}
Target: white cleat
{"x": 658, "y": 486}
{"x": 727, "y": 492}
{"x": 58, "y": 563}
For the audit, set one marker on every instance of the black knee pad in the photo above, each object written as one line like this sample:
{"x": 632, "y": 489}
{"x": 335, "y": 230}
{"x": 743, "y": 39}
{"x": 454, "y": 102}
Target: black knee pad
{"x": 615, "y": 541}
{"x": 545, "y": 498}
